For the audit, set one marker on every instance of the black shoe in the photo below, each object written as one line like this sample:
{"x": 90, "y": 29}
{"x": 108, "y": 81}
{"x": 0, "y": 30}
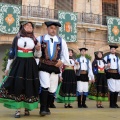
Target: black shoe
{"x": 84, "y": 106}
{"x": 98, "y": 106}
{"x": 80, "y": 106}
{"x": 69, "y": 106}
{"x": 52, "y": 106}
{"x": 17, "y": 114}
{"x": 48, "y": 111}
{"x": 65, "y": 106}
{"x": 27, "y": 113}
{"x": 101, "y": 106}
{"x": 117, "y": 106}
{"x": 112, "y": 106}
{"x": 43, "y": 113}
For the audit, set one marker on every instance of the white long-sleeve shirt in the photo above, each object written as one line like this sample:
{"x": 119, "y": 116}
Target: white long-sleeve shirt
{"x": 114, "y": 61}
{"x": 24, "y": 43}
{"x": 86, "y": 66}
{"x": 64, "y": 56}
{"x": 72, "y": 63}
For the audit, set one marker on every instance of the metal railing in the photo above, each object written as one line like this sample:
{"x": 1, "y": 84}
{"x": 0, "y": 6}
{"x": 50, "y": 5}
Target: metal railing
{"x": 92, "y": 18}
{"x": 41, "y": 12}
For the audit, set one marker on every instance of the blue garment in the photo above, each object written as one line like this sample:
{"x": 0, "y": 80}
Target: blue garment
{"x": 78, "y": 71}
{"x": 46, "y": 43}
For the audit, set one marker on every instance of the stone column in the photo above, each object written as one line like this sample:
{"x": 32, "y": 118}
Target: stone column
{"x": 79, "y": 5}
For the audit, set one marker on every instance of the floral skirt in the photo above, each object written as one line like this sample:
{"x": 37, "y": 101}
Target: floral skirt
{"x": 66, "y": 92}
{"x": 99, "y": 90}
{"x": 20, "y": 88}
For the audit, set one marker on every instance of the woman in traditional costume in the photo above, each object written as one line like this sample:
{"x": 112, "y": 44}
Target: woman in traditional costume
{"x": 66, "y": 92}
{"x": 99, "y": 89}
{"x": 20, "y": 88}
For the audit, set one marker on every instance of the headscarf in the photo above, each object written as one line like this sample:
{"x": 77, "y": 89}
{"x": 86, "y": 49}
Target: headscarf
{"x": 96, "y": 55}
{"x": 24, "y": 33}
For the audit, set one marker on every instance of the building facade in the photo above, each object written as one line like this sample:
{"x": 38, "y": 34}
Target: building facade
{"x": 91, "y": 26}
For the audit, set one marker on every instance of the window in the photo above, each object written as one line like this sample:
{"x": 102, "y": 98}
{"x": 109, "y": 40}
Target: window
{"x": 12, "y": 1}
{"x": 66, "y": 5}
{"x": 110, "y": 7}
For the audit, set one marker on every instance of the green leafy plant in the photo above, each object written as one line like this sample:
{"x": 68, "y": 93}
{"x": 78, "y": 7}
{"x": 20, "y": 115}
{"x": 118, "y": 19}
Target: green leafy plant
{"x": 87, "y": 56}
{"x": 5, "y": 59}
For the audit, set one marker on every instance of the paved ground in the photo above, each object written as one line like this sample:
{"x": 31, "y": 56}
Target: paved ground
{"x": 60, "y": 113}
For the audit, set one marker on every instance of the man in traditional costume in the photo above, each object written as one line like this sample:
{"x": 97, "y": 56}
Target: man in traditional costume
{"x": 54, "y": 54}
{"x": 84, "y": 75}
{"x": 113, "y": 76}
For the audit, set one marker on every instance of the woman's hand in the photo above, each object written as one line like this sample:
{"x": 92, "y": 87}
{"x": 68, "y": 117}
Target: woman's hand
{"x": 108, "y": 65}
{"x": 38, "y": 46}
{"x": 95, "y": 65}
{"x": 91, "y": 81}
{"x": 76, "y": 63}
{"x": 61, "y": 79}
{"x": 6, "y": 72}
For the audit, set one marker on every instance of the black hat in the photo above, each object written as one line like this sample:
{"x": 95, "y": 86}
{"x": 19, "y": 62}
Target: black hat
{"x": 83, "y": 49}
{"x": 113, "y": 46}
{"x": 95, "y": 53}
{"x": 49, "y": 23}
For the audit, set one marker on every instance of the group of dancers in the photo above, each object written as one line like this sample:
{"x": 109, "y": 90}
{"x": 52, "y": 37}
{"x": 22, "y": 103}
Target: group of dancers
{"x": 36, "y": 64}
{"x": 98, "y": 80}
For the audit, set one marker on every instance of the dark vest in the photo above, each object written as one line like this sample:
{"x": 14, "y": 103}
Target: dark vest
{"x": 46, "y": 56}
{"x": 48, "y": 62}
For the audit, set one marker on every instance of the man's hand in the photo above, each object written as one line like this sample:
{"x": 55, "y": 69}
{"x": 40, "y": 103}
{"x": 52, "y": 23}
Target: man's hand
{"x": 91, "y": 81}
{"x": 6, "y": 72}
{"x": 38, "y": 46}
{"x": 59, "y": 63}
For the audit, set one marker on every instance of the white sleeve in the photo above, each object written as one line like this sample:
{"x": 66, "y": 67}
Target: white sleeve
{"x": 9, "y": 64}
{"x": 119, "y": 66}
{"x": 77, "y": 67}
{"x": 38, "y": 53}
{"x": 105, "y": 58}
{"x": 60, "y": 74}
{"x": 64, "y": 53}
{"x": 90, "y": 74}
{"x": 37, "y": 60}
{"x": 39, "y": 39}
